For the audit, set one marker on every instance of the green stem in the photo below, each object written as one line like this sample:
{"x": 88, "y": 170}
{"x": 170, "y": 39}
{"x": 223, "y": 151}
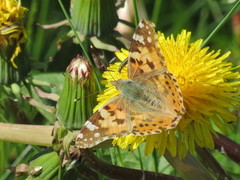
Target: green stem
{"x": 39, "y": 41}
{"x": 136, "y": 17}
{"x": 156, "y": 11}
{"x": 120, "y": 157}
{"x": 155, "y": 160}
{"x": 221, "y": 23}
{"x": 83, "y": 104}
{"x": 140, "y": 158}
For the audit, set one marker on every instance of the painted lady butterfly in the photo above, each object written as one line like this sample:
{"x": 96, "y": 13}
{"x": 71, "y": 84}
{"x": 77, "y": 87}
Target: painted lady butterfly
{"x": 150, "y": 100}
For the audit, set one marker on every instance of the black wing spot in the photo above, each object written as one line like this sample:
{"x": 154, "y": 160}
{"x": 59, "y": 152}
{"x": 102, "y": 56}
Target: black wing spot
{"x": 151, "y": 65}
{"x": 107, "y": 107}
{"x": 166, "y": 82}
{"x": 132, "y": 60}
{"x": 140, "y": 62}
{"x": 141, "y": 125}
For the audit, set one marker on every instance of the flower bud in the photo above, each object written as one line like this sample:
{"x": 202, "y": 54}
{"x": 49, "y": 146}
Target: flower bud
{"x": 77, "y": 98}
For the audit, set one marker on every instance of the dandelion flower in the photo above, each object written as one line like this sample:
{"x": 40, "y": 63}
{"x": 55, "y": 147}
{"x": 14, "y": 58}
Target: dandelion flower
{"x": 210, "y": 89}
{"x": 12, "y": 32}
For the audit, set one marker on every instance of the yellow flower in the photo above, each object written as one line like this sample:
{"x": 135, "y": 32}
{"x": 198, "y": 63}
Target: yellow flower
{"x": 210, "y": 90}
{"x": 12, "y": 32}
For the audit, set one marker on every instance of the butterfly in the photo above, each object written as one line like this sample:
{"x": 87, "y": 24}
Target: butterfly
{"x": 149, "y": 102}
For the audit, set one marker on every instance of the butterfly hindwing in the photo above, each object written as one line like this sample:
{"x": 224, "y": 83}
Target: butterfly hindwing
{"x": 109, "y": 122}
{"x": 170, "y": 110}
{"x": 153, "y": 123}
{"x": 172, "y": 92}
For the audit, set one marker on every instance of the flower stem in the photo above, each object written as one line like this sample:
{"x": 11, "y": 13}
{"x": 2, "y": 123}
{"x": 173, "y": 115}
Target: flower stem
{"x": 26, "y": 134}
{"x": 118, "y": 172}
{"x": 136, "y": 18}
{"x": 221, "y": 23}
{"x": 228, "y": 147}
{"x": 211, "y": 163}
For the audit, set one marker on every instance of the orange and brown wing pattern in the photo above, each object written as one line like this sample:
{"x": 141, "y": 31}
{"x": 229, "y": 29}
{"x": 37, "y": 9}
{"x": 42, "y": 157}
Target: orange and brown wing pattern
{"x": 147, "y": 124}
{"x": 109, "y": 122}
{"x": 172, "y": 92}
{"x": 169, "y": 112}
{"x": 145, "y": 55}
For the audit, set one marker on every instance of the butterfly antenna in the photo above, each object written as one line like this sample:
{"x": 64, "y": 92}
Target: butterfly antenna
{"x": 79, "y": 99}
{"x": 112, "y": 76}
{"x": 111, "y": 61}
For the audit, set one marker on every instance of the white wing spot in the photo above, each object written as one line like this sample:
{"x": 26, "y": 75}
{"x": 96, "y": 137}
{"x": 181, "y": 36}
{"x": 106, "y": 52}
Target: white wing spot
{"x": 91, "y": 126}
{"x": 96, "y": 135}
{"x": 139, "y": 38}
{"x": 85, "y": 139}
{"x": 104, "y": 113}
{"x": 80, "y": 135}
{"x": 141, "y": 25}
{"x": 149, "y": 32}
{"x": 149, "y": 39}
{"x": 105, "y": 138}
{"x": 152, "y": 25}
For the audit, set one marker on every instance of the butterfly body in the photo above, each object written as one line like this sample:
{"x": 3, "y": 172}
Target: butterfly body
{"x": 149, "y": 102}
{"x": 139, "y": 95}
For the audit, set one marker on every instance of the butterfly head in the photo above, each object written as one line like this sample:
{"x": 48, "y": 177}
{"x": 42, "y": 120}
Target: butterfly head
{"x": 118, "y": 83}
{"x": 122, "y": 84}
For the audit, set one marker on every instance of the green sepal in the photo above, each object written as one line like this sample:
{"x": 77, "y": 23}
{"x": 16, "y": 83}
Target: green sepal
{"x": 59, "y": 133}
{"x": 44, "y": 167}
{"x": 94, "y": 17}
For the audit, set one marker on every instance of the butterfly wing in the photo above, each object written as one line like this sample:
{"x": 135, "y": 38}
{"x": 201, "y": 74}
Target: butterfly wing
{"x": 144, "y": 49}
{"x": 146, "y": 65}
{"x": 110, "y": 121}
{"x": 148, "y": 124}
{"x": 171, "y": 109}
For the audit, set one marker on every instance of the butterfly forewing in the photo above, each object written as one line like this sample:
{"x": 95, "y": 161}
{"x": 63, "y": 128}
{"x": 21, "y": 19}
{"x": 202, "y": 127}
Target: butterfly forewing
{"x": 110, "y": 121}
{"x": 145, "y": 55}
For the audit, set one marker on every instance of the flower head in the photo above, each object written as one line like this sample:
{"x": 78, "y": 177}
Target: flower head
{"x": 12, "y": 32}
{"x": 210, "y": 90}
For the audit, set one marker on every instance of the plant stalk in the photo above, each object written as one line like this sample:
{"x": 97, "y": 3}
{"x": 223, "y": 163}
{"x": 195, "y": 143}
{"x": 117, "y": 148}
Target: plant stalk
{"x": 26, "y": 134}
